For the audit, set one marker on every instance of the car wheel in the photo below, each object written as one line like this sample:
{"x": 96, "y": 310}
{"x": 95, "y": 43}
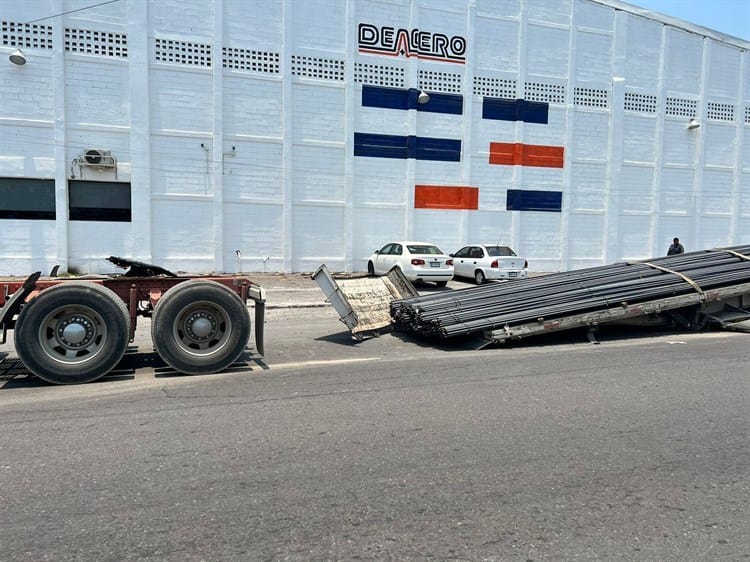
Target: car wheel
{"x": 479, "y": 277}
{"x": 441, "y": 283}
{"x": 370, "y": 269}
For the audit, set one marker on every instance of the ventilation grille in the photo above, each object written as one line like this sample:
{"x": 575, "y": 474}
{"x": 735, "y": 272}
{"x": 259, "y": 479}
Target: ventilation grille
{"x": 550, "y": 93}
{"x": 720, "y": 111}
{"x": 182, "y": 52}
{"x": 589, "y": 97}
{"x": 251, "y": 61}
{"x": 643, "y": 103}
{"x": 321, "y": 69}
{"x": 495, "y": 87}
{"x": 28, "y": 35}
{"x": 439, "y": 81}
{"x": 378, "y": 75}
{"x": 103, "y": 43}
{"x": 747, "y": 116}
{"x": 681, "y": 107}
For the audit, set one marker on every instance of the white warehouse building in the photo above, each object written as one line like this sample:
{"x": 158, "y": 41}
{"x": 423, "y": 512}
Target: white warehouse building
{"x": 240, "y": 135}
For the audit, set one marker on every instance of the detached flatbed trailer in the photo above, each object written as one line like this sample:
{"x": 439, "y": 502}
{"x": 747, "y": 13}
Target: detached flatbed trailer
{"x": 725, "y": 307}
{"x": 690, "y": 291}
{"x": 76, "y": 330}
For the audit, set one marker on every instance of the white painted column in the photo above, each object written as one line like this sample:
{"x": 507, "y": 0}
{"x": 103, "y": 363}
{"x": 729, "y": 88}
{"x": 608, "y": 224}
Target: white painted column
{"x": 615, "y": 140}
{"x": 516, "y": 174}
{"x": 567, "y": 171}
{"x": 140, "y": 129}
{"x": 287, "y": 188}
{"x": 700, "y": 152}
{"x": 412, "y": 81}
{"x": 741, "y": 137}
{"x": 655, "y": 243}
{"x": 217, "y": 149}
{"x": 59, "y": 134}
{"x": 350, "y": 92}
{"x": 467, "y": 92}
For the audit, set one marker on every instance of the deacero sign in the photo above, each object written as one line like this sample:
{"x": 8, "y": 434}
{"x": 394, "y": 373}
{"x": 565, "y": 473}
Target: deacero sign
{"x": 393, "y": 42}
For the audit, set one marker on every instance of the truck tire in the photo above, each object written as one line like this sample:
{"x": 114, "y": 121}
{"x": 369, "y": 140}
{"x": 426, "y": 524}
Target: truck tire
{"x": 200, "y": 327}
{"x": 72, "y": 333}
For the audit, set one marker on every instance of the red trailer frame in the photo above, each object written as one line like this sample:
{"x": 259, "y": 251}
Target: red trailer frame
{"x": 64, "y": 326}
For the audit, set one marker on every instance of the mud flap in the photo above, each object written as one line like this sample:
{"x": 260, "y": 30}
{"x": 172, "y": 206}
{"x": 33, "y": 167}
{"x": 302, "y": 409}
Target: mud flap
{"x": 13, "y": 304}
{"x": 260, "y": 314}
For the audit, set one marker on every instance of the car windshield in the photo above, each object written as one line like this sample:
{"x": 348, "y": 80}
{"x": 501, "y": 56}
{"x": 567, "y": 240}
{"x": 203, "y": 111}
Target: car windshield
{"x": 423, "y": 249}
{"x": 500, "y": 251}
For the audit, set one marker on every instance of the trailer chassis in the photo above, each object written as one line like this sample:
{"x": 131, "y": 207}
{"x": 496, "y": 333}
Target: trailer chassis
{"x": 74, "y": 330}
{"x": 692, "y": 311}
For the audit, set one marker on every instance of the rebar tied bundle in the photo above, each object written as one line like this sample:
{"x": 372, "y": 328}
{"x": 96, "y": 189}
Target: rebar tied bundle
{"x": 498, "y": 305}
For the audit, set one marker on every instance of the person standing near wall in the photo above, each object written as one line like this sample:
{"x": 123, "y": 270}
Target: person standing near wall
{"x": 675, "y": 248}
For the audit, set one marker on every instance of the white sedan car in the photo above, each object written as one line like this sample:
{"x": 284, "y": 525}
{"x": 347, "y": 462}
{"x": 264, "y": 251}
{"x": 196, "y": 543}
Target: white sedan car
{"x": 482, "y": 262}
{"x": 418, "y": 261}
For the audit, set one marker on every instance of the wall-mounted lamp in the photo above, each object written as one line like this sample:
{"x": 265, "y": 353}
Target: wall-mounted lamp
{"x": 693, "y": 124}
{"x": 17, "y": 57}
{"x": 423, "y": 98}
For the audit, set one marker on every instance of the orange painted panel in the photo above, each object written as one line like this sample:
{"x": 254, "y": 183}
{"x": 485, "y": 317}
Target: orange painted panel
{"x": 519, "y": 154}
{"x": 446, "y": 197}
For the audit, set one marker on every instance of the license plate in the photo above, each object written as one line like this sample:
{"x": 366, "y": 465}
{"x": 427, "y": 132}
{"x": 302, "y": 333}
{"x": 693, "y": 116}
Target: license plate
{"x": 512, "y": 274}
{"x": 434, "y": 264}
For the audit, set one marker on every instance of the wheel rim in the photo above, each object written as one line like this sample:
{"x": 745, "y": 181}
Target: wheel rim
{"x": 72, "y": 334}
{"x": 479, "y": 277}
{"x": 203, "y": 328}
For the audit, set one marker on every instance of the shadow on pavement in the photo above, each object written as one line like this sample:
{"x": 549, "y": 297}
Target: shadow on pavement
{"x": 344, "y": 338}
{"x": 13, "y": 374}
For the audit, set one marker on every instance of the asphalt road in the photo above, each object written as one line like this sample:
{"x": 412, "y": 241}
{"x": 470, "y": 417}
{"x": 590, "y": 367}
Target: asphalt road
{"x": 326, "y": 449}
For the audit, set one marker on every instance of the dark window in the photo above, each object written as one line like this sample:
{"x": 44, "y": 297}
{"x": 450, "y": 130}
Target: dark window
{"x": 24, "y": 198}
{"x": 99, "y": 201}
{"x": 500, "y": 251}
{"x": 422, "y": 250}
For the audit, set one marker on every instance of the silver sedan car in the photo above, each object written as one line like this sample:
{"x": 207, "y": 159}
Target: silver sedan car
{"x": 483, "y": 262}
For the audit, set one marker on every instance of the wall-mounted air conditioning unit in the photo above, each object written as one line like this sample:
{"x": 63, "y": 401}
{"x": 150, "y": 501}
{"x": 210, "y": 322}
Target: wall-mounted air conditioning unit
{"x": 99, "y": 158}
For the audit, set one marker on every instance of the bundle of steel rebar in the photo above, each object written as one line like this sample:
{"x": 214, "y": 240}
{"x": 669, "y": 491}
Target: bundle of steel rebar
{"x": 494, "y": 305}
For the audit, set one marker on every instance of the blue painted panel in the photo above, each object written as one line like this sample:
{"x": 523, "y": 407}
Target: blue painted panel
{"x": 452, "y": 104}
{"x": 398, "y": 98}
{"x": 515, "y": 110}
{"x": 398, "y": 146}
{"x": 389, "y": 98}
{"x": 499, "y": 109}
{"x": 445, "y": 150}
{"x": 380, "y": 146}
{"x": 533, "y": 111}
{"x": 529, "y": 200}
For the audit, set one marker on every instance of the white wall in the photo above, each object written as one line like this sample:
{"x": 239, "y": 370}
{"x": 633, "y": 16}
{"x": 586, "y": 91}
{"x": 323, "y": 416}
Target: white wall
{"x": 256, "y": 154}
